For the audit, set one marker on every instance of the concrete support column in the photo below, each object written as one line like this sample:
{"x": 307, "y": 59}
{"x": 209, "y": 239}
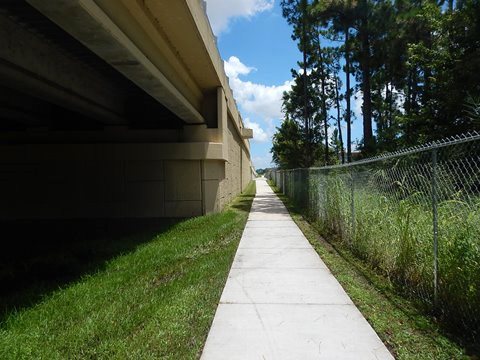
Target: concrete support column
{"x": 222, "y": 110}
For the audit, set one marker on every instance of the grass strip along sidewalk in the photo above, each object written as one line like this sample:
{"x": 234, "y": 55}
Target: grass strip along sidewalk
{"x": 402, "y": 327}
{"x": 156, "y": 301}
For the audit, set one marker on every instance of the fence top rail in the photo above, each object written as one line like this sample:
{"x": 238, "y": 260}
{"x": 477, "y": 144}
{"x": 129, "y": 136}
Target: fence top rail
{"x": 454, "y": 140}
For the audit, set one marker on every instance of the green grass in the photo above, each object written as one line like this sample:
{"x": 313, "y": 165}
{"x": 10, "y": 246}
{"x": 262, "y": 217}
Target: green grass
{"x": 393, "y": 232}
{"x": 400, "y": 245}
{"x": 156, "y": 300}
{"x": 402, "y": 326}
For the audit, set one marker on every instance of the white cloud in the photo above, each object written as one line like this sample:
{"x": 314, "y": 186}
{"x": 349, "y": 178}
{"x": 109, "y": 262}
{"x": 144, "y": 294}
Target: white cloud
{"x": 221, "y": 12}
{"x": 357, "y": 104}
{"x": 357, "y": 101}
{"x": 261, "y": 100}
{"x": 259, "y": 135}
{"x": 234, "y": 67}
{"x": 262, "y": 162}
{"x": 398, "y": 97}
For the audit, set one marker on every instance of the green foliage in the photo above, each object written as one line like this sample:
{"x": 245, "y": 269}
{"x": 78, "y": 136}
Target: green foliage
{"x": 417, "y": 65}
{"x": 288, "y": 150}
{"x": 472, "y": 109}
{"x": 312, "y": 94}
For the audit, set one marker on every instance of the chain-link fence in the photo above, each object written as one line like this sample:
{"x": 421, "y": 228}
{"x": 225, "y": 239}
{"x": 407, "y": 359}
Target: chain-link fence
{"x": 414, "y": 215}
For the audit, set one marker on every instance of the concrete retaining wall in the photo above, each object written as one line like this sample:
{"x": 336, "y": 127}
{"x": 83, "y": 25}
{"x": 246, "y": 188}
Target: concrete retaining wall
{"x": 108, "y": 180}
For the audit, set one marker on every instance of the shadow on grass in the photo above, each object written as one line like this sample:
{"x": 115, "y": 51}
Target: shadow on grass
{"x": 243, "y": 202}
{"x": 40, "y": 256}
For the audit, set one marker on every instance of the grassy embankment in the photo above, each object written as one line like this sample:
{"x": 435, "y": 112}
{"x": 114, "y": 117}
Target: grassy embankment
{"x": 400, "y": 323}
{"x": 148, "y": 295}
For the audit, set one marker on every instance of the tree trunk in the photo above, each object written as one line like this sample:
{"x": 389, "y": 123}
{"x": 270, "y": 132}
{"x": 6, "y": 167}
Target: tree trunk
{"x": 339, "y": 125}
{"x": 347, "y": 94}
{"x": 325, "y": 120}
{"x": 324, "y": 99}
{"x": 408, "y": 97}
{"x": 305, "y": 89}
{"x": 388, "y": 107}
{"x": 366, "y": 88}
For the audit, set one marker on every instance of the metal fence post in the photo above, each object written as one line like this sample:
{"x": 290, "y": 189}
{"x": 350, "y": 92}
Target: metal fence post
{"x": 292, "y": 184}
{"x": 325, "y": 197}
{"x": 289, "y": 185}
{"x": 435, "y": 227}
{"x": 352, "y": 202}
{"x": 295, "y": 182}
{"x": 306, "y": 189}
{"x": 296, "y": 193}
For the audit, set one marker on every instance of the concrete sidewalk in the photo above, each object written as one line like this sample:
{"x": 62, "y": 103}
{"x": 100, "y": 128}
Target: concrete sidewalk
{"x": 280, "y": 300}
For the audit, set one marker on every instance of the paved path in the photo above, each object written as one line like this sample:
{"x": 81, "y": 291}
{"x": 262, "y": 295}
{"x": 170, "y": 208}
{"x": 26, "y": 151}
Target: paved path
{"x": 280, "y": 300}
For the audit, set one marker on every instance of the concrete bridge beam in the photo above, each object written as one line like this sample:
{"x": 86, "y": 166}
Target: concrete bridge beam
{"x": 88, "y": 23}
{"x": 42, "y": 69}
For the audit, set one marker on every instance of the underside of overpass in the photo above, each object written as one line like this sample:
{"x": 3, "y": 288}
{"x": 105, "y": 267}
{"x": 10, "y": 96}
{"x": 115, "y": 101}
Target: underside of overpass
{"x": 115, "y": 109}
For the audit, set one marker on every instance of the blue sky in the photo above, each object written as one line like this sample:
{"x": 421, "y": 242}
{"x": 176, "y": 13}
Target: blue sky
{"x": 254, "y": 41}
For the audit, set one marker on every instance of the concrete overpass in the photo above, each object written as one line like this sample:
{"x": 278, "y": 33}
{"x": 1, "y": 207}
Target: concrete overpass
{"x": 115, "y": 109}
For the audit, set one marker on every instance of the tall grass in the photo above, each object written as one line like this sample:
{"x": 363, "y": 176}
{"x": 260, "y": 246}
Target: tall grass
{"x": 393, "y": 231}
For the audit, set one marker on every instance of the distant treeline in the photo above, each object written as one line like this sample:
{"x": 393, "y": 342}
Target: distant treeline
{"x": 414, "y": 65}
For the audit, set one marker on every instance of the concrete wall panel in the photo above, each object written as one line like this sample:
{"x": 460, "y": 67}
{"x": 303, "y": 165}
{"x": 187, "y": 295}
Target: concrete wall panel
{"x": 246, "y": 169}
{"x": 211, "y": 190}
{"x": 183, "y": 181}
{"x": 183, "y": 208}
{"x": 213, "y": 170}
{"x": 139, "y": 171}
{"x": 48, "y": 181}
{"x": 146, "y": 199}
{"x": 116, "y": 180}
